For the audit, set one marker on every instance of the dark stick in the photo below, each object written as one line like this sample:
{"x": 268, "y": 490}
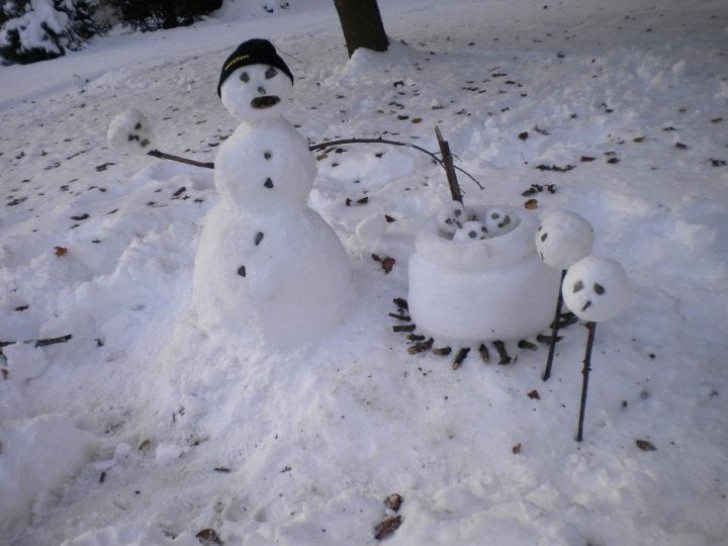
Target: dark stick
{"x": 40, "y": 342}
{"x": 163, "y": 155}
{"x": 380, "y": 140}
{"x": 322, "y": 146}
{"x": 449, "y": 166}
{"x": 554, "y": 332}
{"x": 52, "y": 341}
{"x": 460, "y": 358}
{"x": 592, "y": 327}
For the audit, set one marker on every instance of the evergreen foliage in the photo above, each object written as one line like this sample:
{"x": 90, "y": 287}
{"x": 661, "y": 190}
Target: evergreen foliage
{"x": 36, "y": 30}
{"x": 149, "y": 15}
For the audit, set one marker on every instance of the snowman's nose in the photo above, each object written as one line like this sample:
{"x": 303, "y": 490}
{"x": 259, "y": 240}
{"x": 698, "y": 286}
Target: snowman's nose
{"x": 261, "y": 91}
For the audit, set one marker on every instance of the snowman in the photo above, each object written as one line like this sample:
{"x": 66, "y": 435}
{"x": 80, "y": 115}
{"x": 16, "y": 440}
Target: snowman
{"x": 268, "y": 267}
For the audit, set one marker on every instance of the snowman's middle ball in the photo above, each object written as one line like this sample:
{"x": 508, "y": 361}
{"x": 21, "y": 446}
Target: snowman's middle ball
{"x": 255, "y": 92}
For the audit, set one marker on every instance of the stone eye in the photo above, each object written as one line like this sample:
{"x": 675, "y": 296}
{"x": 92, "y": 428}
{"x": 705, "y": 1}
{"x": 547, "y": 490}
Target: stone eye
{"x": 270, "y": 73}
{"x": 578, "y": 285}
{"x": 457, "y": 212}
{"x": 599, "y": 289}
{"x": 244, "y": 77}
{"x": 495, "y": 216}
{"x": 544, "y": 237}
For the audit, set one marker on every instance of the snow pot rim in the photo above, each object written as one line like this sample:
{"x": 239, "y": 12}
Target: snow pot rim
{"x": 498, "y": 251}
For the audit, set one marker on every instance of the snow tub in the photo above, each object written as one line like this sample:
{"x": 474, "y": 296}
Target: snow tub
{"x": 474, "y": 291}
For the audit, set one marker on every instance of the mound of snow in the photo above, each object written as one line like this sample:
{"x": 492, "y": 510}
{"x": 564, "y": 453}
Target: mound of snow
{"x": 38, "y": 455}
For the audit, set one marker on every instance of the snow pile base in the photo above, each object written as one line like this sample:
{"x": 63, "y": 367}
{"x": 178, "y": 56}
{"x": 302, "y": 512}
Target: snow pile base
{"x": 37, "y": 457}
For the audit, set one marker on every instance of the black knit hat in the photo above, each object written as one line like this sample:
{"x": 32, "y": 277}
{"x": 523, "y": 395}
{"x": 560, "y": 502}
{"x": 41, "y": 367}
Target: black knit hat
{"x": 255, "y": 51}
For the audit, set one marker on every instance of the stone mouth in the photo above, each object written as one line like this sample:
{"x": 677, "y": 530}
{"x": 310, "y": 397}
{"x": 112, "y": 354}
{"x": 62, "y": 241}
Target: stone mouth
{"x": 261, "y": 103}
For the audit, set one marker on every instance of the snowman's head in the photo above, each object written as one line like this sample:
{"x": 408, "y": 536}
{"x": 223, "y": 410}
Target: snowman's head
{"x": 255, "y": 82}
{"x": 596, "y": 289}
{"x": 563, "y": 238}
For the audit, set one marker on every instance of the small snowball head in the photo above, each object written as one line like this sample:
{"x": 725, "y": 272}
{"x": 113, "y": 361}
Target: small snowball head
{"x": 564, "y": 238}
{"x": 596, "y": 289}
{"x": 131, "y": 132}
{"x": 498, "y": 222}
{"x": 471, "y": 231}
{"x": 451, "y": 217}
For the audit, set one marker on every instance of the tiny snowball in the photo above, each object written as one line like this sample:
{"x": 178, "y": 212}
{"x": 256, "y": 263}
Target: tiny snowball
{"x": 471, "y": 231}
{"x": 451, "y": 217}
{"x": 564, "y": 238}
{"x": 498, "y": 222}
{"x": 596, "y": 289}
{"x": 130, "y": 131}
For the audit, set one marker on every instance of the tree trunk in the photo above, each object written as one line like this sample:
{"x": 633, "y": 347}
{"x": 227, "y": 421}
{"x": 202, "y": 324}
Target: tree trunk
{"x": 362, "y": 25}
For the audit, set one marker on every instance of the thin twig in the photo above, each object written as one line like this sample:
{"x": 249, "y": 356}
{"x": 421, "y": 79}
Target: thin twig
{"x": 554, "y": 332}
{"x": 178, "y": 159}
{"x": 40, "y": 342}
{"x": 380, "y": 140}
{"x": 323, "y": 145}
{"x": 592, "y": 327}
{"x": 449, "y": 167}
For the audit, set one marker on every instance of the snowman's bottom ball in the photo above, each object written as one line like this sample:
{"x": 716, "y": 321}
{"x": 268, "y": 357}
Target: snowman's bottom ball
{"x": 282, "y": 281}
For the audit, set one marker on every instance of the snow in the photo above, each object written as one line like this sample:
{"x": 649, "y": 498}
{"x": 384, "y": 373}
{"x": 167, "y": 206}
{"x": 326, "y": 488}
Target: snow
{"x": 36, "y": 27}
{"x": 143, "y": 428}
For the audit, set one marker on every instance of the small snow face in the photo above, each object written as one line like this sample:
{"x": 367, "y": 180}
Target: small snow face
{"x": 480, "y": 290}
{"x": 596, "y": 289}
{"x": 471, "y": 231}
{"x": 563, "y": 238}
{"x": 498, "y": 221}
{"x": 131, "y": 132}
{"x": 256, "y": 92}
{"x": 451, "y": 217}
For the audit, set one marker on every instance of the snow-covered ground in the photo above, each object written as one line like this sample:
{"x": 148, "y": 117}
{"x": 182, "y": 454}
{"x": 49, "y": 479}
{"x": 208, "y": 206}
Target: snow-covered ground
{"x": 143, "y": 429}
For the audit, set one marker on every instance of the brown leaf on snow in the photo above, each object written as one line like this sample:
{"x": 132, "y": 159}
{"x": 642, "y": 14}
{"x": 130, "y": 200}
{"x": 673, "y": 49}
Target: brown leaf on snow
{"x": 387, "y": 527}
{"x": 533, "y": 395}
{"x": 60, "y": 251}
{"x": 531, "y": 204}
{"x": 517, "y": 449}
{"x": 393, "y": 502}
{"x": 645, "y": 445}
{"x": 387, "y": 262}
{"x": 208, "y": 536}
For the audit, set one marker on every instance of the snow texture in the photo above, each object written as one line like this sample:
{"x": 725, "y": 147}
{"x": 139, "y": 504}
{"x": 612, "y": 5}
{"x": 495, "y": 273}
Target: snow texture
{"x": 614, "y": 110}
